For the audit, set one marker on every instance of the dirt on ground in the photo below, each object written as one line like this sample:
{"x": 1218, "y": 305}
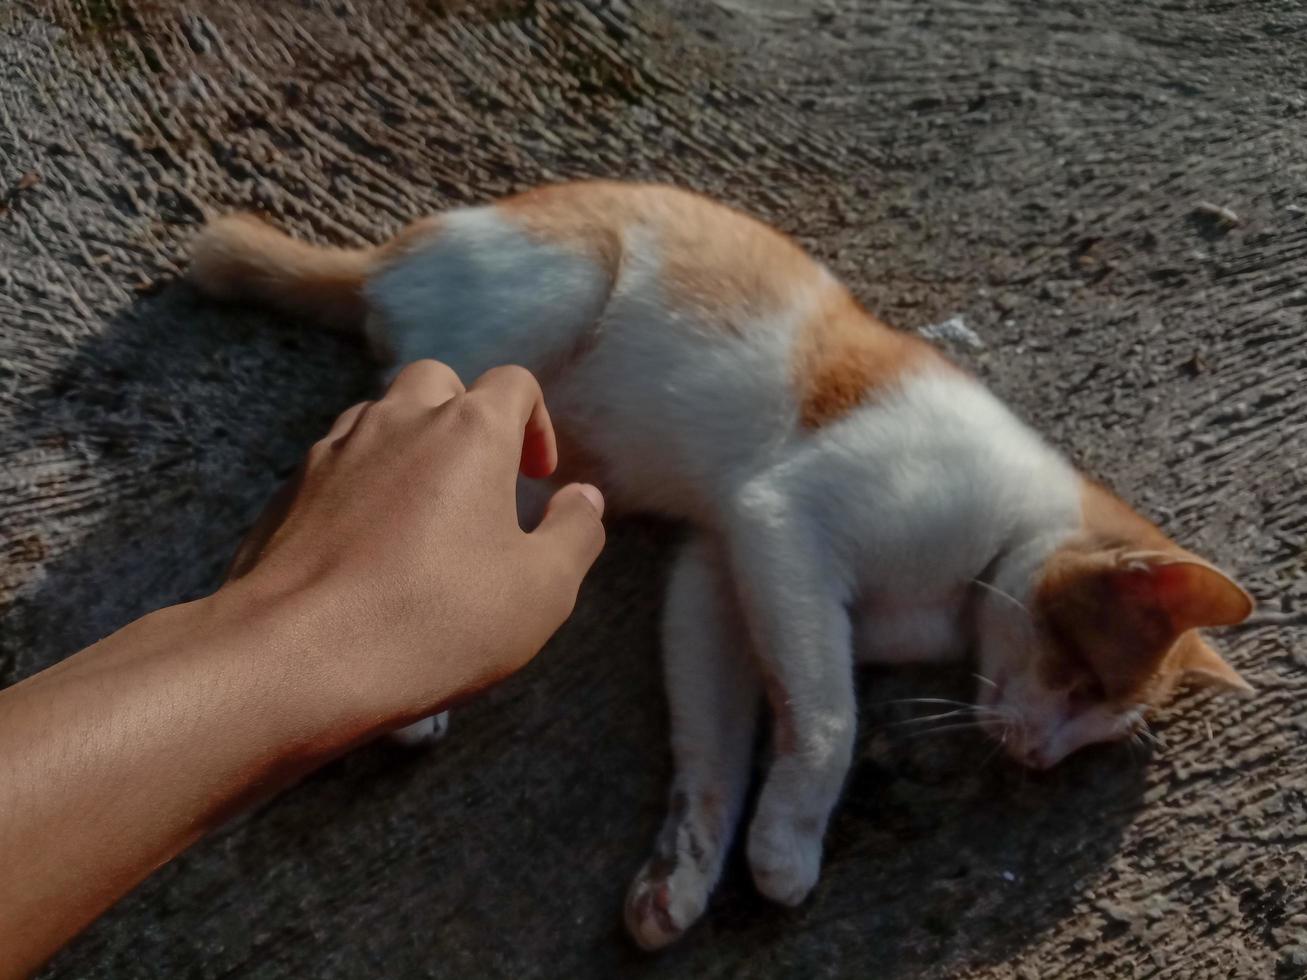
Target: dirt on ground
{"x": 1111, "y": 193}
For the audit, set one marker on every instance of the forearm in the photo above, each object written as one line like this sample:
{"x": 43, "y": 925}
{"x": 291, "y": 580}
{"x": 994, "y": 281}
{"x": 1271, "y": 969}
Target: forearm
{"x": 391, "y": 580}
{"x": 123, "y": 755}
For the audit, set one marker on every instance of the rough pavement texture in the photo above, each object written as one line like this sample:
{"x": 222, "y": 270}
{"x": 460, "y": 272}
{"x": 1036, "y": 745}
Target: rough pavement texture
{"x": 1042, "y": 169}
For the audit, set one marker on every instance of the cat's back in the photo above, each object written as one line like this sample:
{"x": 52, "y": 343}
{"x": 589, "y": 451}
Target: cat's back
{"x": 550, "y": 263}
{"x": 702, "y": 257}
{"x": 678, "y": 339}
{"x": 721, "y": 341}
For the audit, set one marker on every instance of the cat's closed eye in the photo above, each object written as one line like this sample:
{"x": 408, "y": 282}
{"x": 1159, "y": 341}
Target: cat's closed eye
{"x": 1085, "y": 693}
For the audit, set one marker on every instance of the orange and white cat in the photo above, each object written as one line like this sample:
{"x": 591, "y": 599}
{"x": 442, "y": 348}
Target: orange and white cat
{"x": 854, "y": 495}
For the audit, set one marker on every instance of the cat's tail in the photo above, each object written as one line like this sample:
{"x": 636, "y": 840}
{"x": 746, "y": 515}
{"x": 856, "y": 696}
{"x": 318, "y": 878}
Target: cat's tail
{"x": 238, "y": 258}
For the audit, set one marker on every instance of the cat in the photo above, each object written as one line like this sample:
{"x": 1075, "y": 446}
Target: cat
{"x": 853, "y": 495}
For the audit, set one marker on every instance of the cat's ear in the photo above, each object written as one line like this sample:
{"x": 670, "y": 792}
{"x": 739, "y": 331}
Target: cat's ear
{"x": 1199, "y": 664}
{"x": 1127, "y": 611}
{"x": 1190, "y": 593}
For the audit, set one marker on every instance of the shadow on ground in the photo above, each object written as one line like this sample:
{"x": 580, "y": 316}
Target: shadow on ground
{"x": 1034, "y": 169}
{"x": 506, "y": 849}
{"x": 193, "y": 416}
{"x": 525, "y": 824}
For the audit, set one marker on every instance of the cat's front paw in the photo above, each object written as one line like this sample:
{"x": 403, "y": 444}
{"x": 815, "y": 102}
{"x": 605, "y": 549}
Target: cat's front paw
{"x": 785, "y": 858}
{"x": 661, "y": 906}
{"x": 421, "y": 733}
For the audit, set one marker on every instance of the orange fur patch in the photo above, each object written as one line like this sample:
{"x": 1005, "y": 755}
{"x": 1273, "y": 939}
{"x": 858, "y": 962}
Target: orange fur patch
{"x": 728, "y": 267}
{"x": 587, "y": 217}
{"x": 1110, "y": 522}
{"x": 409, "y": 238}
{"x": 239, "y": 258}
{"x": 843, "y": 355}
{"x": 1122, "y": 646}
{"x": 719, "y": 262}
{"x": 1122, "y": 602}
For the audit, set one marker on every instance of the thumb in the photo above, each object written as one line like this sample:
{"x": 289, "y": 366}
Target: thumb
{"x": 573, "y": 528}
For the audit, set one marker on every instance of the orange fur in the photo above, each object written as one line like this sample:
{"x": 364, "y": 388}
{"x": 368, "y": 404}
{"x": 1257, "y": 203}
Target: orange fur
{"x": 239, "y": 258}
{"x": 1121, "y": 604}
{"x": 408, "y": 239}
{"x": 843, "y": 355}
{"x": 714, "y": 259}
{"x": 1110, "y": 521}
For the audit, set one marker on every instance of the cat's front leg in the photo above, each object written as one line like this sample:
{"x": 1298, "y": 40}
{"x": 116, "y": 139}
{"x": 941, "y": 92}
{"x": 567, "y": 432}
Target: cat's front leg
{"x": 796, "y": 605}
{"x": 713, "y": 696}
{"x": 428, "y": 730}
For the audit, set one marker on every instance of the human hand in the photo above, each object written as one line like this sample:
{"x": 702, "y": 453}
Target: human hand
{"x": 398, "y": 547}
{"x": 388, "y": 579}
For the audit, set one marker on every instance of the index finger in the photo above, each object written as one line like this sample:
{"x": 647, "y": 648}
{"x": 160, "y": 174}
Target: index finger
{"x": 519, "y": 392}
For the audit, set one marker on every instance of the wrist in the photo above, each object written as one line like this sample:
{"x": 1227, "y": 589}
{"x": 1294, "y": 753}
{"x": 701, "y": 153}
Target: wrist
{"x": 293, "y": 654}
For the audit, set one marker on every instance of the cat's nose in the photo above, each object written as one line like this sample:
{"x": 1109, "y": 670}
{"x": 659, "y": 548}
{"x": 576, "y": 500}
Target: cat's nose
{"x": 1035, "y": 758}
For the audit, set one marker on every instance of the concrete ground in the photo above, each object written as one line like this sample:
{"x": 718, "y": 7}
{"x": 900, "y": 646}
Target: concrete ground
{"x": 1053, "y": 172}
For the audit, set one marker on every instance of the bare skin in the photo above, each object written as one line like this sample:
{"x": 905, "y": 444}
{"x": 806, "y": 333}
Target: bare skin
{"x": 388, "y": 581}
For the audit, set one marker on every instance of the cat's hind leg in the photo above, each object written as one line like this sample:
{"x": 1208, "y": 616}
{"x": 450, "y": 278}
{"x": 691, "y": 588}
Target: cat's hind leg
{"x": 713, "y": 695}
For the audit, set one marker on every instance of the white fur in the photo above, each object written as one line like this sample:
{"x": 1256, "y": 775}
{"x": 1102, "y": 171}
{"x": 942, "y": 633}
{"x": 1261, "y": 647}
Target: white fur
{"x": 891, "y": 511}
{"x": 479, "y": 277}
{"x": 709, "y": 663}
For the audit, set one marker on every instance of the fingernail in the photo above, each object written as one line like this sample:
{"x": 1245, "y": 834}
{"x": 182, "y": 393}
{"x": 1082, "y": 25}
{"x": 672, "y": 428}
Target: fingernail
{"x": 592, "y": 494}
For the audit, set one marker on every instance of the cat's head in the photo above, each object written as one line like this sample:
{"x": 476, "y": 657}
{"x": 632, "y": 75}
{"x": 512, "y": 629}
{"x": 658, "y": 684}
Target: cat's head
{"x": 1077, "y": 642}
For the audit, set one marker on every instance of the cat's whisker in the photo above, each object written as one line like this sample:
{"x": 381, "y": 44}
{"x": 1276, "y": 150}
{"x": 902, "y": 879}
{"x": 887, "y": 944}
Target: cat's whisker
{"x": 989, "y": 587}
{"x": 985, "y": 714}
{"x": 926, "y": 718}
{"x": 957, "y": 707}
{"x": 998, "y": 746}
{"x": 955, "y": 727}
{"x": 1006, "y": 714}
{"x": 984, "y": 680}
{"x": 1146, "y": 733}
{"x": 949, "y": 701}
{"x": 1130, "y": 744}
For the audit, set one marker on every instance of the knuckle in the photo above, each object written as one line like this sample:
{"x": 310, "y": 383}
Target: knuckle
{"x": 516, "y": 378}
{"x": 442, "y": 373}
{"x": 428, "y": 377}
{"x": 345, "y": 423}
{"x": 377, "y": 414}
{"x": 320, "y": 450}
{"x": 519, "y": 375}
{"x": 507, "y": 372}
{"x": 471, "y": 412}
{"x": 485, "y": 417}
{"x": 354, "y": 411}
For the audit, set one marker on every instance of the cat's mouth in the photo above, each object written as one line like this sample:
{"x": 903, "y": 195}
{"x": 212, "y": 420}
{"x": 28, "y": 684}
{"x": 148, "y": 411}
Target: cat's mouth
{"x": 1039, "y": 732}
{"x": 1046, "y": 750}
{"x": 1044, "y": 746}
{"x": 1038, "y": 757}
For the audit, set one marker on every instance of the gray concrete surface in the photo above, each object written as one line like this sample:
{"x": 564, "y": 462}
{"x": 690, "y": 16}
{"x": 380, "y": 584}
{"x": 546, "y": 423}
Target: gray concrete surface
{"x": 1039, "y": 168}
